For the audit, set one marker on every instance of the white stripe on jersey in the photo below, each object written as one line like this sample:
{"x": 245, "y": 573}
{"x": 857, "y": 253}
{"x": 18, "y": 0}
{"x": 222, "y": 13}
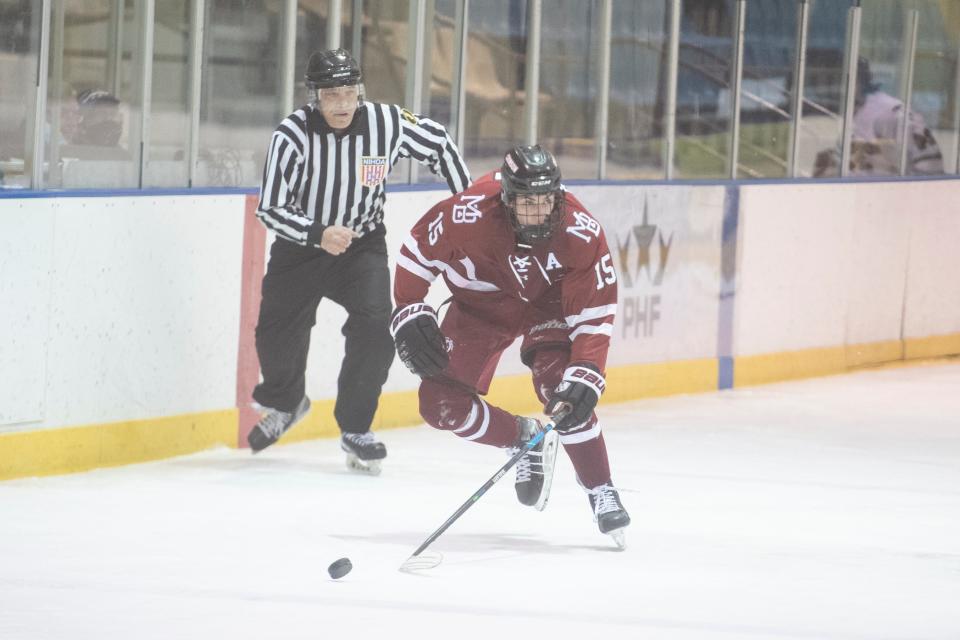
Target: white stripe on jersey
{"x": 330, "y": 159}
{"x": 314, "y": 178}
{"x": 591, "y": 313}
{"x": 411, "y": 266}
{"x": 452, "y": 275}
{"x": 605, "y": 329}
{"x": 581, "y": 436}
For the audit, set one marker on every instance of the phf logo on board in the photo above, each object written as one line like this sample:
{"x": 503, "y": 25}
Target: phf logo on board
{"x": 373, "y": 170}
{"x": 643, "y": 251}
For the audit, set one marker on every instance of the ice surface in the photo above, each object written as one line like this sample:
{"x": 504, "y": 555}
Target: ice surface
{"x": 827, "y": 508}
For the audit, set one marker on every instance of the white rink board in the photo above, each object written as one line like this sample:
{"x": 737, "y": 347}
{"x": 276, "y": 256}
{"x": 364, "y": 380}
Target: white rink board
{"x": 933, "y": 270}
{"x": 666, "y": 244}
{"x": 793, "y": 264}
{"x": 125, "y": 308}
{"x": 26, "y": 242}
{"x": 827, "y": 265}
{"x": 143, "y": 303}
{"x": 878, "y": 259}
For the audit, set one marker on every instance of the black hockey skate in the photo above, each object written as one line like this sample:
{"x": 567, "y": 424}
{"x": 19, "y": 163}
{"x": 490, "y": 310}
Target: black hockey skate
{"x": 534, "y": 470}
{"x": 364, "y": 452}
{"x": 274, "y": 423}
{"x": 609, "y": 513}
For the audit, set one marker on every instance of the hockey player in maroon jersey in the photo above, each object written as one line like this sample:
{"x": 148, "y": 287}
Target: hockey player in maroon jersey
{"x": 522, "y": 257}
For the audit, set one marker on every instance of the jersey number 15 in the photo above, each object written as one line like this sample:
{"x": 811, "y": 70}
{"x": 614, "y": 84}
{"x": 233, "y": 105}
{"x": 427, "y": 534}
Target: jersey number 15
{"x": 605, "y": 272}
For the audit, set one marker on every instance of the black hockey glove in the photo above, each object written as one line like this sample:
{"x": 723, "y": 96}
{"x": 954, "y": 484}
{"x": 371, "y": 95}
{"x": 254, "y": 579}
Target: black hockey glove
{"x": 575, "y": 398}
{"x": 420, "y": 344}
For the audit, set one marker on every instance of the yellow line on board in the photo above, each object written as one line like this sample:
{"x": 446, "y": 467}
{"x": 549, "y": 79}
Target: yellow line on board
{"x": 42, "y": 452}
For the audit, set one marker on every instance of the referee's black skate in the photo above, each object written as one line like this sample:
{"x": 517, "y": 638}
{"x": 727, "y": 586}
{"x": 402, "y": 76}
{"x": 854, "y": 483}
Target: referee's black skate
{"x": 534, "y": 470}
{"x": 609, "y": 513}
{"x": 274, "y": 423}
{"x": 364, "y": 452}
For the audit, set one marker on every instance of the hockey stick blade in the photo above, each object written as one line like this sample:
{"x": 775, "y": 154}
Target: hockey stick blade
{"x": 414, "y": 562}
{"x": 420, "y": 562}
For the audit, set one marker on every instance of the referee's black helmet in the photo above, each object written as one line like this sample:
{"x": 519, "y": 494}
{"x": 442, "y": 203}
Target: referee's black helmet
{"x": 332, "y": 68}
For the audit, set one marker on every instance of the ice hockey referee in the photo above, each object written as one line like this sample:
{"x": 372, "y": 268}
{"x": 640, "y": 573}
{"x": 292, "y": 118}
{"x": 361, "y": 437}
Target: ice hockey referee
{"x": 323, "y": 195}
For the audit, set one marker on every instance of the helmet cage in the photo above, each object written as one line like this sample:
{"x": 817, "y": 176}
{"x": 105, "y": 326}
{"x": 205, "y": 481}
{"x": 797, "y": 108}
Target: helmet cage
{"x": 531, "y": 171}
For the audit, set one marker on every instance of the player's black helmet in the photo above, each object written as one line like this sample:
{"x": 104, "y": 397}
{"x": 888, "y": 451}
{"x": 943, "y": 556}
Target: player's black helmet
{"x": 332, "y": 68}
{"x": 531, "y": 170}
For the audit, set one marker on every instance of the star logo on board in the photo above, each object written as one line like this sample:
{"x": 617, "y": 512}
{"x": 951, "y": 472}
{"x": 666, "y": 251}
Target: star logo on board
{"x": 639, "y": 244}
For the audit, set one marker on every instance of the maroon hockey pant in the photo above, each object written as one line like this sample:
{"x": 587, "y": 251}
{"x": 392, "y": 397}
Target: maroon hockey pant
{"x": 454, "y": 402}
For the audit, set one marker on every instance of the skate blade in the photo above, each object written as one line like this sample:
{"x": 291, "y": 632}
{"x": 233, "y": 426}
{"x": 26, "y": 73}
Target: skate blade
{"x": 422, "y": 562}
{"x": 551, "y": 443}
{"x": 369, "y": 467}
{"x": 619, "y": 537}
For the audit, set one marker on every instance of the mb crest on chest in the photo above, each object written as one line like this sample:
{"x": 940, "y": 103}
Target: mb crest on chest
{"x": 373, "y": 170}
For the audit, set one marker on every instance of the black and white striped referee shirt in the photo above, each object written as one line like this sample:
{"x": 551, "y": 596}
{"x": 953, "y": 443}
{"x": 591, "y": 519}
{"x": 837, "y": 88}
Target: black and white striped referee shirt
{"x": 314, "y": 178}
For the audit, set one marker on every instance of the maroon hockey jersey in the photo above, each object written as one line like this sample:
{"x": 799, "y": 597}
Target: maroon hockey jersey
{"x": 568, "y": 282}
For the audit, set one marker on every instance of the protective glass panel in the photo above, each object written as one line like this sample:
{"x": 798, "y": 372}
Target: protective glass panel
{"x": 822, "y": 126}
{"x": 496, "y": 51}
{"x": 638, "y": 68}
{"x": 439, "y": 50}
{"x": 769, "y": 52}
{"x": 705, "y": 89}
{"x": 240, "y": 103}
{"x": 935, "y": 79}
{"x": 93, "y": 95}
{"x": 385, "y": 51}
{"x": 166, "y": 163}
{"x": 569, "y": 83}
{"x": 311, "y": 37}
{"x": 875, "y": 141}
{"x": 385, "y": 48}
{"x": 19, "y": 50}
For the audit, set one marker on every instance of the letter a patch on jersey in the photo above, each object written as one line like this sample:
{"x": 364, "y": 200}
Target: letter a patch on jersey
{"x": 373, "y": 170}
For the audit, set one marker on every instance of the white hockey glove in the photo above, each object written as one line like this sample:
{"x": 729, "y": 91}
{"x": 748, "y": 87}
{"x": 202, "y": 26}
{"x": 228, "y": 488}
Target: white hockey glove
{"x": 420, "y": 344}
{"x": 575, "y": 398}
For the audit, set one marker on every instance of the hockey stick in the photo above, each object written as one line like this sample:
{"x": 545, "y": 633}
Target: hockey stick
{"x": 418, "y": 561}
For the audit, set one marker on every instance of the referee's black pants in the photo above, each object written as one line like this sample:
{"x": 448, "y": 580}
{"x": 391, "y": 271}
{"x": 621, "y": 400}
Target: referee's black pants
{"x": 297, "y": 279}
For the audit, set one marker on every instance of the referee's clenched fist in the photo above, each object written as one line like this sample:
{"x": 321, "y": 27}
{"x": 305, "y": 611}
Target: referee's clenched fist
{"x": 337, "y": 239}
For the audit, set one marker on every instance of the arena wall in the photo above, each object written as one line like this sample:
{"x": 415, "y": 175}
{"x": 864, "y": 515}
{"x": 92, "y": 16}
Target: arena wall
{"x": 126, "y": 318}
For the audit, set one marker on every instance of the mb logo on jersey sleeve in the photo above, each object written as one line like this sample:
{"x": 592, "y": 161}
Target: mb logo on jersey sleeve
{"x": 467, "y": 212}
{"x": 583, "y": 226}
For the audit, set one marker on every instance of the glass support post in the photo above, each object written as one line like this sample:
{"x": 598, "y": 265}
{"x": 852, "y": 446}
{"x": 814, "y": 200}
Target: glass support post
{"x": 799, "y": 75}
{"x": 850, "y": 84}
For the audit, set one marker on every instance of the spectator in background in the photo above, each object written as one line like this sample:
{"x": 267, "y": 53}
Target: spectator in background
{"x": 99, "y": 121}
{"x": 93, "y": 128}
{"x": 875, "y": 140}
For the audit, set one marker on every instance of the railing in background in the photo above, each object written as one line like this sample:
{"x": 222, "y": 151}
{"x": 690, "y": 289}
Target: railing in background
{"x": 721, "y": 119}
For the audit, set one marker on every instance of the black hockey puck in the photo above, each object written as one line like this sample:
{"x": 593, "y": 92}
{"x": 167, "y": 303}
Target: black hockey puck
{"x": 340, "y": 568}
